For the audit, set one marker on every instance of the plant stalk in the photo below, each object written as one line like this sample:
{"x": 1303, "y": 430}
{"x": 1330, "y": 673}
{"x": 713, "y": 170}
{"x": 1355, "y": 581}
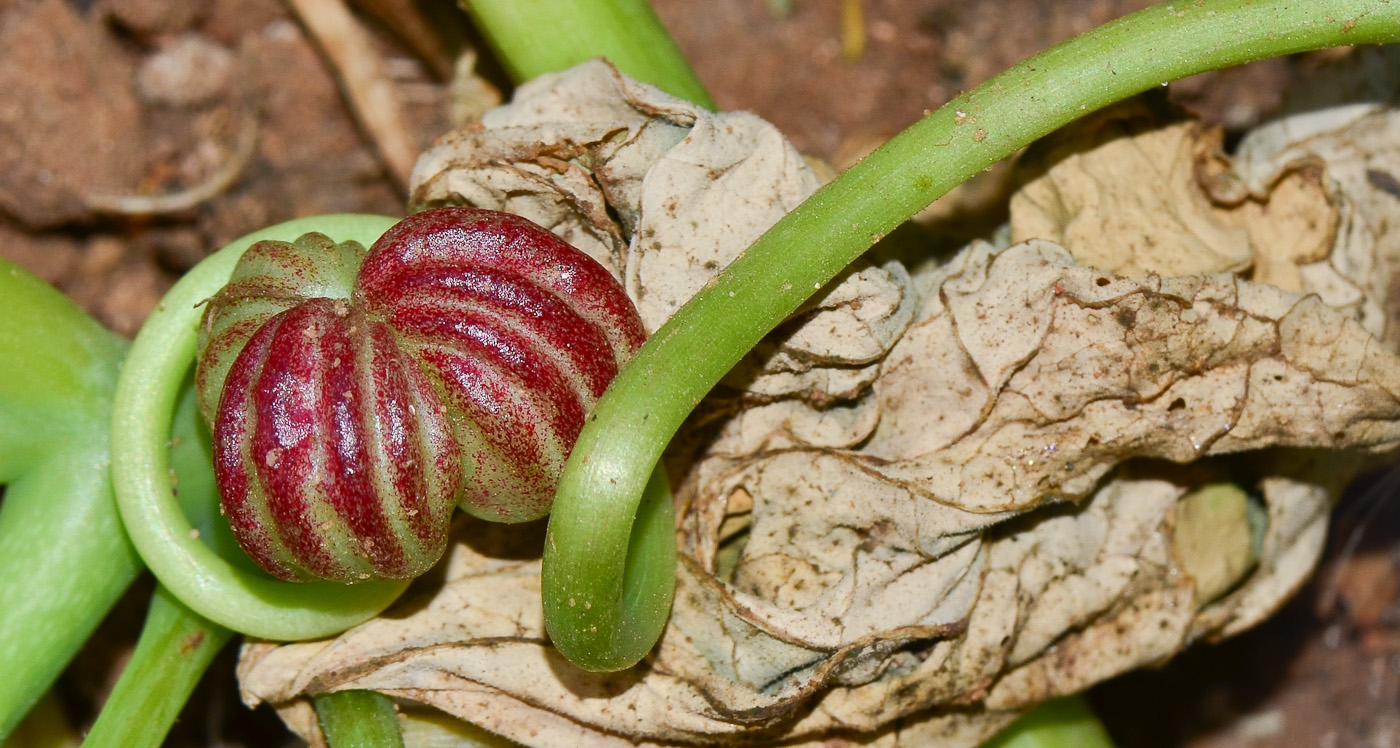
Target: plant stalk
{"x": 534, "y": 37}
{"x": 175, "y": 648}
{"x": 585, "y": 552}
{"x": 1066, "y": 722}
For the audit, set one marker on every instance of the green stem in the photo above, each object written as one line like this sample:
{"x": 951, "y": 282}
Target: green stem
{"x": 585, "y": 553}
{"x": 150, "y": 384}
{"x": 65, "y": 562}
{"x": 175, "y": 648}
{"x": 534, "y": 37}
{"x": 63, "y": 554}
{"x": 359, "y": 719}
{"x": 163, "y": 670}
{"x": 1062, "y": 723}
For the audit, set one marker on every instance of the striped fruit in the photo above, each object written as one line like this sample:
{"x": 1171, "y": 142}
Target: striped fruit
{"x": 356, "y": 398}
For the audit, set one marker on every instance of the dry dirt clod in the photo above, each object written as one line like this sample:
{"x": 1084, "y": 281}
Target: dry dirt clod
{"x": 188, "y": 71}
{"x": 71, "y": 123}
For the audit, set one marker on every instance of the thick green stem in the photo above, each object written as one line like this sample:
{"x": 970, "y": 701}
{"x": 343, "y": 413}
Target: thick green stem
{"x": 533, "y": 37}
{"x": 359, "y": 719}
{"x": 65, "y": 561}
{"x": 585, "y": 553}
{"x": 57, "y": 365}
{"x": 175, "y": 648}
{"x": 171, "y": 653}
{"x": 63, "y": 555}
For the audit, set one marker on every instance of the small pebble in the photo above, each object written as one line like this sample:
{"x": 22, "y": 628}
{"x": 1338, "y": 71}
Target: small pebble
{"x": 190, "y": 71}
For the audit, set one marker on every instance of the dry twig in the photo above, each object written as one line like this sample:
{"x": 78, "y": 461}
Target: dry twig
{"x": 369, "y": 90}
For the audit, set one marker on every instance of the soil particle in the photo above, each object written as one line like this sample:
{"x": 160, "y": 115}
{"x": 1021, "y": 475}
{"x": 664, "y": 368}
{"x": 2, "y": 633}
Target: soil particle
{"x": 53, "y": 257}
{"x": 188, "y": 71}
{"x": 1237, "y": 98}
{"x": 229, "y": 21}
{"x": 116, "y": 284}
{"x": 307, "y": 137}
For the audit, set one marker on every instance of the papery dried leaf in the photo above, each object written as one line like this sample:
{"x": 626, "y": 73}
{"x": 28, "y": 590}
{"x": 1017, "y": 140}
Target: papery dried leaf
{"x": 1297, "y": 201}
{"x": 1351, "y": 153}
{"x": 1120, "y": 193}
{"x": 906, "y": 534}
{"x": 867, "y": 595}
{"x": 1031, "y": 376}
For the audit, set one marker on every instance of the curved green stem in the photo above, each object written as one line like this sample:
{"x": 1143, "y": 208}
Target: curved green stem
{"x": 175, "y": 648}
{"x": 641, "y": 543}
{"x": 358, "y": 719}
{"x": 176, "y": 643}
{"x": 585, "y": 552}
{"x": 533, "y": 37}
{"x": 63, "y": 554}
{"x": 159, "y": 362}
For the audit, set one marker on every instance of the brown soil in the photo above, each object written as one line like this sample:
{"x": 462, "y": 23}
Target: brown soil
{"x": 157, "y": 100}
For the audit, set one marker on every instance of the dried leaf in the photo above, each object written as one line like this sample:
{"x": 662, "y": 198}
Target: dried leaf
{"x": 932, "y": 499}
{"x": 664, "y": 194}
{"x": 1352, "y": 153}
{"x": 1120, "y": 194}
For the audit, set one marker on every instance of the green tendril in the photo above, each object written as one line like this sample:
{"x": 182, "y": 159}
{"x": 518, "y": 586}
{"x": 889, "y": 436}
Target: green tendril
{"x": 159, "y": 362}
{"x": 586, "y": 572}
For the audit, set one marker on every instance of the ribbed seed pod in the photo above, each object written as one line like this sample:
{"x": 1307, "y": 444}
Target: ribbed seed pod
{"x": 520, "y": 331}
{"x": 350, "y": 414}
